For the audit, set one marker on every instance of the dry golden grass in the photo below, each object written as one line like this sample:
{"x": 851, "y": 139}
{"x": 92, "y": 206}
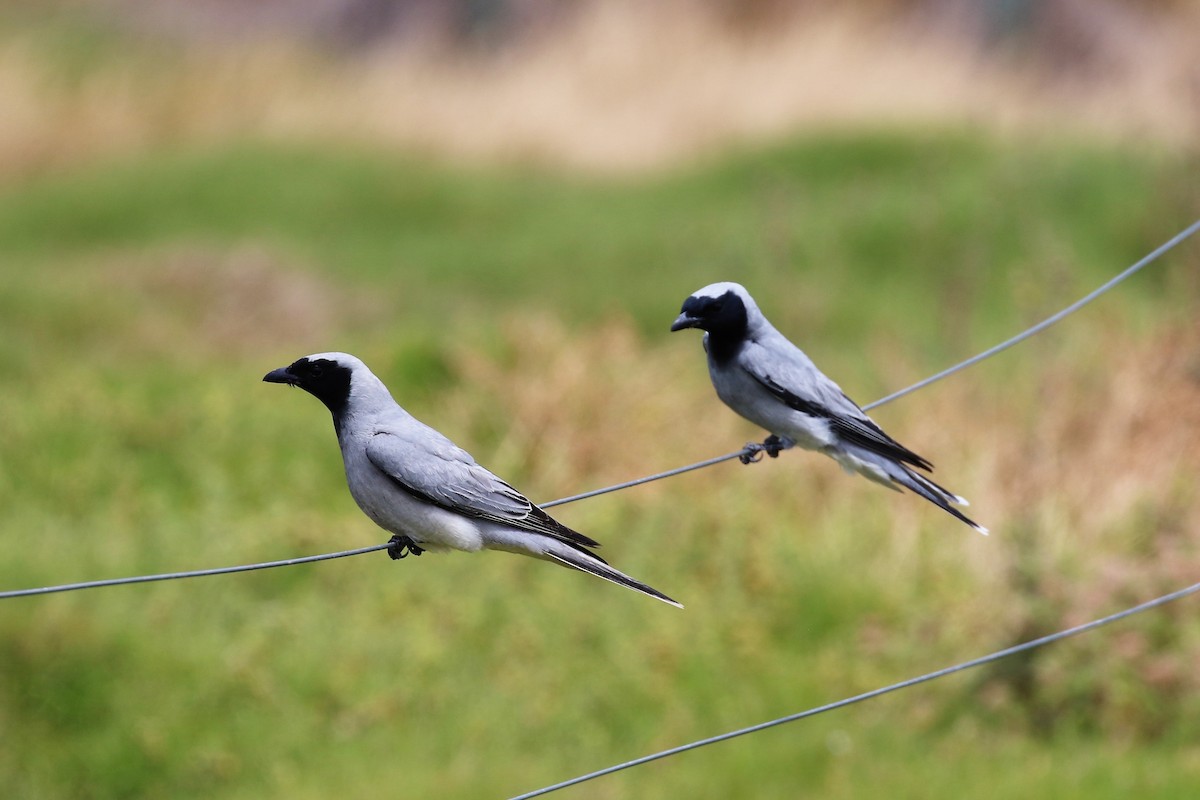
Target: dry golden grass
{"x": 623, "y": 86}
{"x": 1087, "y": 477}
{"x": 1078, "y": 450}
{"x": 801, "y": 584}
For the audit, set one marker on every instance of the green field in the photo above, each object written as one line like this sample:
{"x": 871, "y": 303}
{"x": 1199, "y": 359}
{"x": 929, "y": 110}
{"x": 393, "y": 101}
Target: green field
{"x": 525, "y": 315}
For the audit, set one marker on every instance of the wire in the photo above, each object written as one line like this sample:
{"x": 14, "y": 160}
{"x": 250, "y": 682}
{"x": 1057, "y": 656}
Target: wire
{"x": 858, "y": 698}
{"x": 1046, "y": 323}
{"x": 203, "y": 573}
{"x": 746, "y": 453}
{"x": 196, "y": 573}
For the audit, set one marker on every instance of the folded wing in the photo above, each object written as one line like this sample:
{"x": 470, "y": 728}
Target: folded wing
{"x": 427, "y": 465}
{"x": 792, "y": 378}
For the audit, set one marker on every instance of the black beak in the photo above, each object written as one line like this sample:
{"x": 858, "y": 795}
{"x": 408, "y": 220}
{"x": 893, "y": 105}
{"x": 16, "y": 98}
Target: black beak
{"x": 684, "y": 321}
{"x": 280, "y": 375}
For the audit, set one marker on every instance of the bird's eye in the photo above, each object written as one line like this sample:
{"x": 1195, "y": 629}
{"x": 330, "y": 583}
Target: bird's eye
{"x": 316, "y": 370}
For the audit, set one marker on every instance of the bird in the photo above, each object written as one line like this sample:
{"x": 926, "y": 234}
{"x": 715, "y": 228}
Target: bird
{"x": 768, "y": 380}
{"x": 419, "y": 486}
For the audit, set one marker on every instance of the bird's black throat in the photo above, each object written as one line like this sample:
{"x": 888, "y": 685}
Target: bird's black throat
{"x": 724, "y": 347}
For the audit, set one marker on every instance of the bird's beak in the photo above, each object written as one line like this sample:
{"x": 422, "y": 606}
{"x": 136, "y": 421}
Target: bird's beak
{"x": 684, "y": 321}
{"x": 280, "y": 375}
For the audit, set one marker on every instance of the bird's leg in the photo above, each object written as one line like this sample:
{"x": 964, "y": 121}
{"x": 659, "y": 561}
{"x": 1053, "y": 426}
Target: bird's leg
{"x": 400, "y": 546}
{"x": 773, "y": 446}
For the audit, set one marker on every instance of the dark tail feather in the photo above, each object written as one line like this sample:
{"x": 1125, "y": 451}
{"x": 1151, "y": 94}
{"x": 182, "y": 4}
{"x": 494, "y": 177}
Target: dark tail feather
{"x": 585, "y": 562}
{"x": 940, "y": 497}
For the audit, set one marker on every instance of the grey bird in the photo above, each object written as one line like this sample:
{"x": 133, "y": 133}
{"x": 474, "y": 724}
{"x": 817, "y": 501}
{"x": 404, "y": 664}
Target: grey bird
{"x": 418, "y": 485}
{"x": 768, "y": 380}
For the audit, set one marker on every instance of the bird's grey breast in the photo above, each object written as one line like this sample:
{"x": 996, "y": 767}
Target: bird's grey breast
{"x": 740, "y": 384}
{"x": 374, "y": 492}
{"x": 739, "y": 390}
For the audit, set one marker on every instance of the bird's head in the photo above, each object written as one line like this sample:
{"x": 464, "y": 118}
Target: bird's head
{"x": 326, "y": 376}
{"x": 722, "y": 309}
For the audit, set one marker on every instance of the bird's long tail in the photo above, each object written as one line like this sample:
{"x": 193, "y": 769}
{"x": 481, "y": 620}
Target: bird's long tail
{"x": 939, "y": 496}
{"x": 893, "y": 474}
{"x": 594, "y": 565}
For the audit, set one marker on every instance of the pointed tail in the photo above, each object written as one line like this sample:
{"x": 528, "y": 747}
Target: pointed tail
{"x": 940, "y": 497}
{"x": 593, "y": 565}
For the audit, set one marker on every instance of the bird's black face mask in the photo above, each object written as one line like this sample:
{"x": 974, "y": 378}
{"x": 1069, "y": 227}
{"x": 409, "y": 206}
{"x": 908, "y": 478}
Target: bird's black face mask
{"x": 723, "y": 317}
{"x": 323, "y": 378}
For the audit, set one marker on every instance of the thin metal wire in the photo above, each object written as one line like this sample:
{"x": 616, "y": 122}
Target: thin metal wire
{"x": 650, "y": 478}
{"x": 746, "y": 452}
{"x": 1046, "y": 323}
{"x": 202, "y": 573}
{"x": 858, "y": 698}
{"x": 196, "y": 573}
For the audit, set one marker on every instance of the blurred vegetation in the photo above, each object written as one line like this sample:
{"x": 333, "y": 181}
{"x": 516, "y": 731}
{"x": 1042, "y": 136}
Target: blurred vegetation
{"x": 432, "y": 241}
{"x": 612, "y": 86}
{"x": 186, "y": 203}
{"x": 524, "y": 313}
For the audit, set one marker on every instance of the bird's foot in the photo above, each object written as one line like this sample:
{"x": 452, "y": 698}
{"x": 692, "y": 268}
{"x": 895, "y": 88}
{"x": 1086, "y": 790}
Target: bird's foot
{"x": 772, "y": 446}
{"x": 752, "y": 453}
{"x": 401, "y": 546}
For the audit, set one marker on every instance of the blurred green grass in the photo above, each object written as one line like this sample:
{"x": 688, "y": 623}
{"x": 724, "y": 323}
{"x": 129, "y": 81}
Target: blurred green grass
{"x": 524, "y": 313}
{"x": 867, "y": 212}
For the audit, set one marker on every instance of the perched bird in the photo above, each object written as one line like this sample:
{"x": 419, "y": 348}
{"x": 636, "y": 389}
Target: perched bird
{"x": 417, "y": 484}
{"x": 768, "y": 380}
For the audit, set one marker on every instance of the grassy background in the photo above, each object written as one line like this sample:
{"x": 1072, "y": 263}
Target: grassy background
{"x": 524, "y": 313}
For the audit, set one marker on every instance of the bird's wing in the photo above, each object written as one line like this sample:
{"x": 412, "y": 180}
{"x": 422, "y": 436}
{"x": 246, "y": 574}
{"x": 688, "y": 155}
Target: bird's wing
{"x": 427, "y": 465}
{"x": 789, "y": 375}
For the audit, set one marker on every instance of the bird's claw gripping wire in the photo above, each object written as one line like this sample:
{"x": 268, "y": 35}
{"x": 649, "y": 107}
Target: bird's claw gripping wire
{"x": 753, "y": 452}
{"x": 401, "y": 546}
